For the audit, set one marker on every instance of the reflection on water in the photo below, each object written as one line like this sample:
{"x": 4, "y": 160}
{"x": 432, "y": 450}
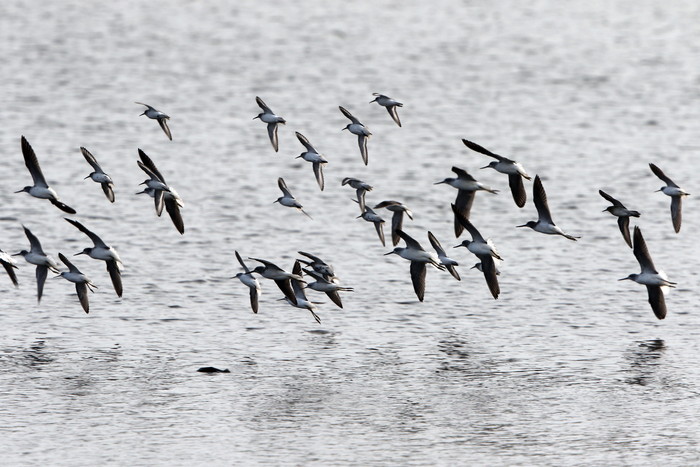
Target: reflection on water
{"x": 644, "y": 361}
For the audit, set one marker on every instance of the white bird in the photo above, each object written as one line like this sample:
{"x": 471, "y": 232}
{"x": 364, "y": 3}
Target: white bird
{"x": 544, "y": 223}
{"x": 397, "y": 218}
{"x": 360, "y": 189}
{"x": 103, "y": 252}
{"x": 675, "y": 192}
{"x": 513, "y": 169}
{"x": 287, "y": 199}
{"x": 248, "y": 279}
{"x": 272, "y": 120}
{"x": 656, "y": 281}
{"x": 357, "y": 128}
{"x": 419, "y": 258}
{"x": 390, "y": 104}
{"x": 98, "y": 175}
{"x": 10, "y": 265}
{"x": 281, "y": 277}
{"x": 484, "y": 250}
{"x": 300, "y": 300}
{"x": 81, "y": 281}
{"x": 331, "y": 288}
{"x": 40, "y": 189}
{"x": 449, "y": 263}
{"x": 467, "y": 186}
{"x": 154, "y": 114}
{"x": 169, "y": 196}
{"x": 370, "y": 216}
{"x": 43, "y": 262}
{"x": 623, "y": 215}
{"x": 313, "y": 156}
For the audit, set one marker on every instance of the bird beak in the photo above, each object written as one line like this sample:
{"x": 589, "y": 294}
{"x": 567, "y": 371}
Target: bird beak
{"x": 437, "y": 183}
{"x": 258, "y": 116}
{"x": 20, "y": 191}
{"x": 375, "y": 100}
{"x": 86, "y": 177}
{"x": 391, "y": 252}
{"x": 604, "y": 210}
{"x": 344, "y": 129}
{"x": 656, "y": 191}
{"x": 485, "y": 167}
{"x": 457, "y": 246}
{"x": 81, "y": 253}
{"x": 524, "y": 225}
{"x": 17, "y": 254}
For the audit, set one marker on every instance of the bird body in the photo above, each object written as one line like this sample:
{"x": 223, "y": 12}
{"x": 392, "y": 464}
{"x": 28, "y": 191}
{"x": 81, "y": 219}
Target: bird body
{"x": 675, "y": 192}
{"x": 623, "y": 215}
{"x": 370, "y": 216}
{"x": 313, "y": 156}
{"x": 98, "y": 175}
{"x": 544, "y": 223}
{"x": 390, "y": 104}
{"x": 467, "y": 186}
{"x": 357, "y": 128}
{"x": 162, "y": 119}
{"x": 419, "y": 259}
{"x": 81, "y": 281}
{"x": 272, "y": 120}
{"x": 249, "y": 280}
{"x": 287, "y": 199}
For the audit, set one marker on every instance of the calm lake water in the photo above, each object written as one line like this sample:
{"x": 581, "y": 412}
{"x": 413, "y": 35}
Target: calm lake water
{"x": 568, "y": 367}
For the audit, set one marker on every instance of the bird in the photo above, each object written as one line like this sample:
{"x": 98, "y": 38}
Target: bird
{"x": 390, "y": 104}
{"x": 272, "y": 120}
{"x": 281, "y": 277}
{"x": 98, "y": 175}
{"x": 482, "y": 249}
{"x": 313, "y": 156}
{"x": 323, "y": 284}
{"x": 170, "y": 198}
{"x": 544, "y": 223}
{"x": 40, "y": 189}
{"x": 10, "y": 265}
{"x": 513, "y": 169}
{"x": 248, "y": 279}
{"x": 449, "y": 263}
{"x": 467, "y": 186}
{"x": 397, "y": 218}
{"x": 357, "y": 128}
{"x": 103, "y": 252}
{"x": 360, "y": 189}
{"x": 43, "y": 262}
{"x": 480, "y": 266}
{"x": 656, "y": 281}
{"x": 300, "y": 300}
{"x": 623, "y": 216}
{"x": 81, "y": 281}
{"x": 419, "y": 258}
{"x": 287, "y": 199}
{"x": 370, "y": 216}
{"x": 154, "y": 114}
{"x": 318, "y": 265}
{"x": 675, "y": 192}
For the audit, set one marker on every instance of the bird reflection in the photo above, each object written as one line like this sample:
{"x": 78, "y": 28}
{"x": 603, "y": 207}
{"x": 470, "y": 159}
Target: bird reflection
{"x": 644, "y": 361}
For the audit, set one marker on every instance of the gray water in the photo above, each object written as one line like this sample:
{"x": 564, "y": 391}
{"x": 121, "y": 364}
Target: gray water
{"x": 568, "y": 367}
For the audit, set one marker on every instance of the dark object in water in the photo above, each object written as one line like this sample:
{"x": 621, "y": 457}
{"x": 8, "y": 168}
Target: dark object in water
{"x": 211, "y": 369}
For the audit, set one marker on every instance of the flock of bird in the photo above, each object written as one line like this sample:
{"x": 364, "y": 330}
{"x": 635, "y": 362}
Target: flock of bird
{"x": 294, "y": 284}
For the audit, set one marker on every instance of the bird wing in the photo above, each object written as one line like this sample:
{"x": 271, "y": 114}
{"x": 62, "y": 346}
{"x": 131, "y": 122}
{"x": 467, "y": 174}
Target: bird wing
{"x": 657, "y": 301}
{"x": 610, "y": 198}
{"x": 283, "y": 186}
{"x": 62, "y": 206}
{"x": 410, "y": 241}
{"x": 108, "y": 191}
{"x": 10, "y": 268}
{"x": 659, "y": 173}
{"x": 95, "y": 239}
{"x": 335, "y": 297}
{"x": 461, "y": 173}
{"x": 488, "y": 267}
{"x": 305, "y": 142}
{"x": 272, "y": 133}
{"x": 41, "y": 273}
{"x": 240, "y": 260}
{"x": 151, "y": 165}
{"x": 32, "y": 164}
{"x": 318, "y": 172}
{"x": 263, "y": 105}
{"x": 540, "y": 197}
{"x": 174, "y": 211}
{"x": 362, "y": 143}
{"x": 70, "y": 265}
{"x": 348, "y": 114}
{"x": 418, "y": 270}
{"x": 517, "y": 188}
{"x": 115, "y": 275}
{"x": 254, "y": 299}
{"x": 158, "y": 199}
{"x": 624, "y": 224}
{"x": 34, "y": 245}
{"x": 641, "y": 252}
{"x": 82, "y": 289}
{"x": 463, "y": 205}
{"x": 163, "y": 122}
{"x": 475, "y": 147}
{"x": 392, "y": 109}
{"x": 396, "y": 224}
{"x": 465, "y": 223}
{"x": 380, "y": 231}
{"x": 676, "y": 215}
{"x": 91, "y": 160}
{"x": 436, "y": 244}
{"x": 149, "y": 172}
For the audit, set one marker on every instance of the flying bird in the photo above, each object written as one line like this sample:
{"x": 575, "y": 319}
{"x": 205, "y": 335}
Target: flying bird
{"x": 323, "y": 284}
{"x": 370, "y": 216}
{"x": 399, "y": 209}
{"x": 360, "y": 189}
{"x": 40, "y": 189}
{"x": 623, "y": 215}
{"x": 9, "y": 264}
{"x": 43, "y": 262}
{"x": 467, "y": 187}
{"x": 390, "y": 104}
{"x": 419, "y": 259}
{"x": 248, "y": 279}
{"x": 675, "y": 192}
{"x": 281, "y": 277}
{"x": 103, "y": 252}
{"x": 287, "y": 199}
{"x": 449, "y": 263}
{"x": 81, "y": 281}
{"x": 98, "y": 175}
{"x": 169, "y": 196}
{"x": 544, "y": 223}
{"x": 300, "y": 300}
{"x": 357, "y": 128}
{"x": 318, "y": 265}
{"x": 656, "y": 281}
{"x": 154, "y": 114}
{"x": 272, "y": 120}
{"x": 513, "y": 169}
{"x": 313, "y": 156}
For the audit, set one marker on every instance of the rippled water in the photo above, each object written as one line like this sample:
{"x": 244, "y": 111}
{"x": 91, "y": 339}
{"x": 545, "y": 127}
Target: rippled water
{"x": 568, "y": 367}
